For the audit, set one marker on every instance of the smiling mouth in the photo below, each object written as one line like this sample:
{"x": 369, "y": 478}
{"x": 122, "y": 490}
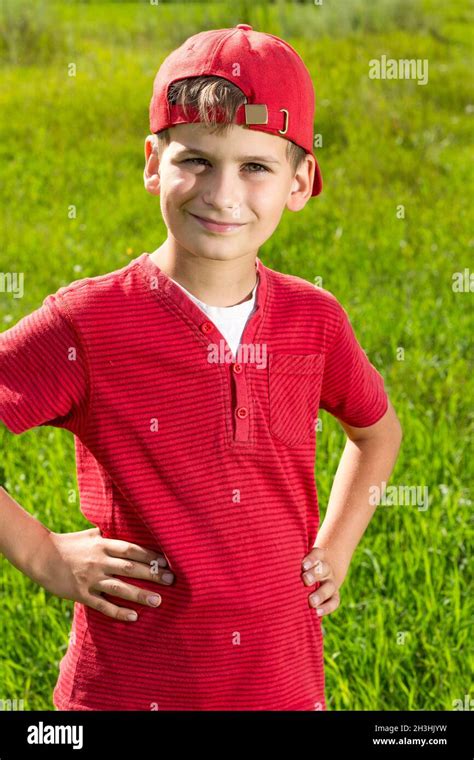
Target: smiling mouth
{"x": 217, "y": 226}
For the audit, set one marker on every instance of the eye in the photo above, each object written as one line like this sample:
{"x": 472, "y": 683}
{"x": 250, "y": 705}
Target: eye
{"x": 260, "y": 167}
{"x": 263, "y": 168}
{"x": 190, "y": 160}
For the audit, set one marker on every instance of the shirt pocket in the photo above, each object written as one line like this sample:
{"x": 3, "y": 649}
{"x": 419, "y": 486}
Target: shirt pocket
{"x": 294, "y": 391}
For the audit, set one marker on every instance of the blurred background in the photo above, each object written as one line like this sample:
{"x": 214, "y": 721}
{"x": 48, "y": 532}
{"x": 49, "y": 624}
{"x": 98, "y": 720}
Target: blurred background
{"x": 390, "y": 236}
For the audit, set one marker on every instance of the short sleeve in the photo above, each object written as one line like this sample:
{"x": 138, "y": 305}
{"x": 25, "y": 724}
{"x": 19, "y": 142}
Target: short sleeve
{"x": 43, "y": 374}
{"x": 352, "y": 389}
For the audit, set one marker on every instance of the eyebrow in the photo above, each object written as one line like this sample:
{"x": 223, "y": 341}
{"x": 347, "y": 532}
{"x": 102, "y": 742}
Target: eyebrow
{"x": 265, "y": 159}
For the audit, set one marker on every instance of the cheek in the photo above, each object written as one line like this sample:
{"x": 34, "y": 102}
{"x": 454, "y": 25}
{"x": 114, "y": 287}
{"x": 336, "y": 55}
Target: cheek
{"x": 267, "y": 202}
{"x": 267, "y": 196}
{"x": 176, "y": 190}
{"x": 177, "y": 183}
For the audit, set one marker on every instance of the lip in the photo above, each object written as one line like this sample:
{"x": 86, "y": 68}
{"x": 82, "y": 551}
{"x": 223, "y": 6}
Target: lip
{"x": 209, "y": 224}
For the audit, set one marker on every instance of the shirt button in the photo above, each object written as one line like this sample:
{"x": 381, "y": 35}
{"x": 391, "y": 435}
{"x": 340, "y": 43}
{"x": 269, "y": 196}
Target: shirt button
{"x": 207, "y": 327}
{"x": 244, "y": 26}
{"x": 242, "y": 412}
{"x": 237, "y": 368}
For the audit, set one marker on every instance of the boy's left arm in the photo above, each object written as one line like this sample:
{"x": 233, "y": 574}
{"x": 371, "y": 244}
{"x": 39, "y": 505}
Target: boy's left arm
{"x": 368, "y": 459}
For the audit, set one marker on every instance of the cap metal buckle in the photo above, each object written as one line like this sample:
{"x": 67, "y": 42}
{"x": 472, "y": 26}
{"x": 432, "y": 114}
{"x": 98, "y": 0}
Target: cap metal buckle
{"x": 256, "y": 114}
{"x": 285, "y": 130}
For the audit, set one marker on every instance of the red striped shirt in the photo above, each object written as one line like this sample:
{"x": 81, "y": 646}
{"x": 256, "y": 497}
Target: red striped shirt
{"x": 208, "y": 461}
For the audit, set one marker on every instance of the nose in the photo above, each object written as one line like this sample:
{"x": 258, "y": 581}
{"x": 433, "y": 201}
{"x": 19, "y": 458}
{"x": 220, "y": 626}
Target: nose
{"x": 222, "y": 190}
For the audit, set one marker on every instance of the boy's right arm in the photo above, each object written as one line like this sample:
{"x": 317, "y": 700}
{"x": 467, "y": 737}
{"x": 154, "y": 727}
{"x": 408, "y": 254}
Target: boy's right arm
{"x": 78, "y": 566}
{"x": 22, "y": 536}
{"x": 43, "y": 381}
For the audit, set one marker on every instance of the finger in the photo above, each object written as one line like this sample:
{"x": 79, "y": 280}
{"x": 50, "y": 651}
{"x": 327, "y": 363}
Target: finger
{"x": 311, "y": 559}
{"x": 318, "y": 572}
{"x": 131, "y": 569}
{"x": 329, "y": 606}
{"x": 97, "y": 602}
{"x": 317, "y": 552}
{"x": 116, "y": 548}
{"x": 324, "y": 592}
{"x": 115, "y": 587}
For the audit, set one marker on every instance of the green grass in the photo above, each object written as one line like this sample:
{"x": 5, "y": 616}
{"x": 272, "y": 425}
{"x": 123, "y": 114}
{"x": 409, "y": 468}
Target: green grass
{"x": 400, "y": 637}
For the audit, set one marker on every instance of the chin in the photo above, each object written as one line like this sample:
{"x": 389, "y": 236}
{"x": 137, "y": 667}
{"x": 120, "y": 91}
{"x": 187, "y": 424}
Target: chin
{"x": 212, "y": 249}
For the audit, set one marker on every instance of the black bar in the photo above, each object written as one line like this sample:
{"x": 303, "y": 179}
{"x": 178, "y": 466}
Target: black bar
{"x": 130, "y": 734}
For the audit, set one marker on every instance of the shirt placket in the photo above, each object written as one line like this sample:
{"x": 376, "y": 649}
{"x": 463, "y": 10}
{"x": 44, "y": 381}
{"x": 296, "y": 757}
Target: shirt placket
{"x": 237, "y": 373}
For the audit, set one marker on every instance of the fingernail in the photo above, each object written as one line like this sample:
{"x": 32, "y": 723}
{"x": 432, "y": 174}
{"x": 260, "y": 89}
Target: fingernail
{"x": 132, "y": 616}
{"x": 161, "y": 562}
{"x": 320, "y": 611}
{"x": 307, "y": 564}
{"x": 167, "y": 577}
{"x": 310, "y": 578}
{"x": 153, "y": 599}
{"x": 315, "y": 600}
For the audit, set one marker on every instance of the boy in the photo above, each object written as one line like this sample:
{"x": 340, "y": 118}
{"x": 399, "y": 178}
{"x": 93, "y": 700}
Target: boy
{"x": 191, "y": 379}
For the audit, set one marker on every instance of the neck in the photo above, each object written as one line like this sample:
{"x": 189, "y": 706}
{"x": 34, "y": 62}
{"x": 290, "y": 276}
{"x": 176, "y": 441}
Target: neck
{"x": 215, "y": 282}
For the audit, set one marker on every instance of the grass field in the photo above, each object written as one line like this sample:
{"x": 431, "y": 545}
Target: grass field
{"x": 400, "y": 639}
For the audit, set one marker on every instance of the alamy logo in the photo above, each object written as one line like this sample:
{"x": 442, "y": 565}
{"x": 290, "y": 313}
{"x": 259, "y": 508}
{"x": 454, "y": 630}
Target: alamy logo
{"x": 390, "y": 68}
{"x": 46, "y": 734}
{"x": 247, "y": 353}
{"x": 12, "y": 282}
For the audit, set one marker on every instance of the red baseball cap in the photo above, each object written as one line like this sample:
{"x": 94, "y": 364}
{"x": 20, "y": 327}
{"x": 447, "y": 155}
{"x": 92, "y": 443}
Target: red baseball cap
{"x": 276, "y": 82}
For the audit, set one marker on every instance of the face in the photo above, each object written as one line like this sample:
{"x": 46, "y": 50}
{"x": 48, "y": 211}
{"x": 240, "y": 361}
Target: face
{"x": 222, "y": 195}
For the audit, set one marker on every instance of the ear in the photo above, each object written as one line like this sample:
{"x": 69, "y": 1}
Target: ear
{"x": 151, "y": 173}
{"x": 302, "y": 184}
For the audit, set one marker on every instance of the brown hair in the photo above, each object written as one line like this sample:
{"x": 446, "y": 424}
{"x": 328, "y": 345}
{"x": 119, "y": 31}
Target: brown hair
{"x": 208, "y": 93}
